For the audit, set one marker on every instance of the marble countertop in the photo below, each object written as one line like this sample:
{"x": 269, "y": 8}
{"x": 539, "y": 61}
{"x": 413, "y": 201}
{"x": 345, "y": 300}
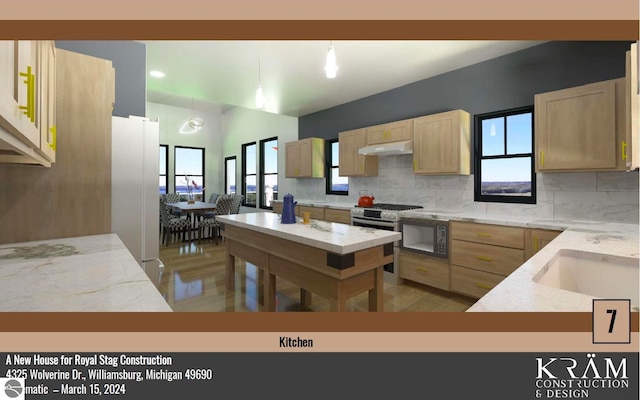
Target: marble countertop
{"x": 320, "y": 203}
{"x": 519, "y": 291}
{"x": 89, "y": 273}
{"x": 330, "y": 236}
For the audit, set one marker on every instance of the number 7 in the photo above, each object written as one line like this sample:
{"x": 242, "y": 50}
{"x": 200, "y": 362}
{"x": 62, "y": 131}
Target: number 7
{"x": 613, "y": 319}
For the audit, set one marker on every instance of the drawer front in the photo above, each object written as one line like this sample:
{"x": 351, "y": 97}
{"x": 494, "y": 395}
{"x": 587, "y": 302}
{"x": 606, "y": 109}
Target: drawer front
{"x": 471, "y": 282}
{"x": 341, "y": 216}
{"x": 484, "y": 257}
{"x": 424, "y": 270}
{"x": 507, "y": 236}
{"x": 316, "y": 212}
{"x": 277, "y": 208}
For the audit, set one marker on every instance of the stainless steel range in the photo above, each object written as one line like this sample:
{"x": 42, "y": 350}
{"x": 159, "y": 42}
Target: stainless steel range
{"x": 382, "y": 216}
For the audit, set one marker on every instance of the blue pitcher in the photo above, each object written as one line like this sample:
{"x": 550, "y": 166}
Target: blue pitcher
{"x": 288, "y": 210}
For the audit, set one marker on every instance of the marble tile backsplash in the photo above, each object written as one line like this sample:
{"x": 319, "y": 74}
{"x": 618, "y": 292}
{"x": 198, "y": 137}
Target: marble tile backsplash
{"x": 593, "y": 196}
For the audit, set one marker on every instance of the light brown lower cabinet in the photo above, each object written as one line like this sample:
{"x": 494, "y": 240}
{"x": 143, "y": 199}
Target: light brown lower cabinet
{"x": 423, "y": 269}
{"x": 335, "y": 215}
{"x": 536, "y": 239}
{"x": 472, "y": 282}
{"x": 316, "y": 212}
{"x": 320, "y": 213}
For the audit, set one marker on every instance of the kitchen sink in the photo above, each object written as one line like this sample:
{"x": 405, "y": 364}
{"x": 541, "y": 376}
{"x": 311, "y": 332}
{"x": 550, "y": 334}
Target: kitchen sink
{"x": 593, "y": 274}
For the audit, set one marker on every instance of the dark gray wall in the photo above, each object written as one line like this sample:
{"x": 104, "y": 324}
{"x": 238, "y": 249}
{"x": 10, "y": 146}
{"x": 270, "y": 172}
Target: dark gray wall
{"x": 498, "y": 84}
{"x": 130, "y": 62}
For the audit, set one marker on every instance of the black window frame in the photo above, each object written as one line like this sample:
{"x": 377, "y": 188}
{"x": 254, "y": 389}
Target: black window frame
{"x": 166, "y": 168}
{"x": 478, "y": 157}
{"x": 261, "y": 177}
{"x": 244, "y": 176}
{"x": 329, "y": 167}
{"x": 175, "y": 163}
{"x": 226, "y": 174}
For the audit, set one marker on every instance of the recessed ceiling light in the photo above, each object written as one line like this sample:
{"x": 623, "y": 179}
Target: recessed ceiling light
{"x": 157, "y": 74}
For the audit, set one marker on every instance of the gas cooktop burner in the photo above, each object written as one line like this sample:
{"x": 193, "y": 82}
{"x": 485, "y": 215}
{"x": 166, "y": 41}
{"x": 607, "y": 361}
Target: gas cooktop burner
{"x": 392, "y": 207}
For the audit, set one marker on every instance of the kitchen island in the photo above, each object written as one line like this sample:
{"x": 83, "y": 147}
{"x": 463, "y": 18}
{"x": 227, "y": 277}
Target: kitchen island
{"x": 88, "y": 273}
{"x": 336, "y": 261}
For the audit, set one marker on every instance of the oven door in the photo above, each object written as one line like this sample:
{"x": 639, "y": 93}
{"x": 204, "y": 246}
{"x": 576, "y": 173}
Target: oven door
{"x": 380, "y": 224}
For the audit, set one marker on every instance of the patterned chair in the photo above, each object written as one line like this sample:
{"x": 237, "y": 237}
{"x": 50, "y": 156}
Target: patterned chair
{"x": 237, "y": 202}
{"x": 173, "y": 198}
{"x": 170, "y": 224}
{"x": 223, "y": 207}
{"x": 212, "y": 199}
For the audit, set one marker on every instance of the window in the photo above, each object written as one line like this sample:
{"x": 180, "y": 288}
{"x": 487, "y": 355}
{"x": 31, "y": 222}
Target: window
{"x": 268, "y": 172}
{"x": 504, "y": 166}
{"x": 249, "y": 174}
{"x": 336, "y": 184}
{"x": 189, "y": 161}
{"x": 230, "y": 175}
{"x": 164, "y": 166}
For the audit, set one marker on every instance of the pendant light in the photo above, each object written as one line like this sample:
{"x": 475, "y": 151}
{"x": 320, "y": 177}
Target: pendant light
{"x": 259, "y": 94}
{"x": 331, "y": 68}
{"x": 195, "y": 122}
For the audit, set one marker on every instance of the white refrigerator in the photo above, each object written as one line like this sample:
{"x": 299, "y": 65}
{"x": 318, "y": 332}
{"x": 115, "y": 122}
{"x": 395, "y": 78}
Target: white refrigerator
{"x": 135, "y": 208}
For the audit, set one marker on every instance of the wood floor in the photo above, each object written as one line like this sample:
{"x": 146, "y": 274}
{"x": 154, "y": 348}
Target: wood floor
{"x": 193, "y": 280}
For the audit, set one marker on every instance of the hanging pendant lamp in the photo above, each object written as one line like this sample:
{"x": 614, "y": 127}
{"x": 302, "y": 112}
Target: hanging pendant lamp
{"x": 331, "y": 68}
{"x": 195, "y": 122}
{"x": 259, "y": 94}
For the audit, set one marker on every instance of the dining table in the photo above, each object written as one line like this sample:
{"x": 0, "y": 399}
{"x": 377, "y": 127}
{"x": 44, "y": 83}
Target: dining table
{"x": 194, "y": 211}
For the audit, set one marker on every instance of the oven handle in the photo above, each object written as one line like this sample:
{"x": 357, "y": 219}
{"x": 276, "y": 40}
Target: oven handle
{"x": 369, "y": 222}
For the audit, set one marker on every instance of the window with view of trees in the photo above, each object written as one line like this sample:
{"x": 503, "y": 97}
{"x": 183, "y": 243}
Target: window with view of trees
{"x": 504, "y": 169}
{"x": 230, "y": 175}
{"x": 164, "y": 167}
{"x": 336, "y": 184}
{"x": 189, "y": 162}
{"x": 249, "y": 174}
{"x": 268, "y": 172}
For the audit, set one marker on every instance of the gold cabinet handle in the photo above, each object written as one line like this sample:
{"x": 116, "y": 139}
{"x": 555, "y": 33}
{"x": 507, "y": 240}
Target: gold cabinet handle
{"x": 29, "y": 110}
{"x": 536, "y": 243}
{"x": 624, "y": 150}
{"x": 542, "y": 158}
{"x": 484, "y": 258}
{"x": 53, "y": 137}
{"x": 483, "y": 286}
{"x": 483, "y": 234}
{"x": 423, "y": 269}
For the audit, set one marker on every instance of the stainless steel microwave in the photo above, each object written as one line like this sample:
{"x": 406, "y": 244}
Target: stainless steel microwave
{"x": 425, "y": 236}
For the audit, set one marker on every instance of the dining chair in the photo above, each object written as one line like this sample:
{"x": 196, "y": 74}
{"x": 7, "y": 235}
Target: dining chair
{"x": 171, "y": 224}
{"x": 173, "y": 198}
{"x": 213, "y": 197}
{"x": 237, "y": 202}
{"x": 223, "y": 207}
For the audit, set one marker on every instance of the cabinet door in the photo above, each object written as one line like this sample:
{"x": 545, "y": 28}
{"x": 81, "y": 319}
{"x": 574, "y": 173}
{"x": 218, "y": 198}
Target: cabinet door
{"x": 536, "y": 239}
{"x": 352, "y": 163}
{"x": 631, "y": 146}
{"x": 576, "y": 128}
{"x": 305, "y": 154}
{"x": 441, "y": 144}
{"x": 47, "y": 99}
{"x": 292, "y": 160}
{"x": 18, "y": 90}
{"x": 390, "y": 132}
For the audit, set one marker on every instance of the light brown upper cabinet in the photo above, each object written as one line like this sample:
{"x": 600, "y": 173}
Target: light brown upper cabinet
{"x": 442, "y": 144}
{"x": 27, "y": 92}
{"x": 304, "y": 158}
{"x": 352, "y": 163}
{"x": 631, "y": 146}
{"x": 581, "y": 128}
{"x": 390, "y": 132}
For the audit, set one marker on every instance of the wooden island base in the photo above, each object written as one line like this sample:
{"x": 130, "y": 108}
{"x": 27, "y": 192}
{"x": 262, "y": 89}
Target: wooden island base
{"x": 336, "y": 277}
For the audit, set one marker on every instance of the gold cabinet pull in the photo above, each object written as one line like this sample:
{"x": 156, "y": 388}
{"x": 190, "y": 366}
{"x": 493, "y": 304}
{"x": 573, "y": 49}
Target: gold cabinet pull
{"x": 483, "y": 234}
{"x": 624, "y": 150}
{"x": 536, "y": 243}
{"x": 30, "y": 110}
{"x": 484, "y": 258}
{"x": 484, "y": 286}
{"x": 423, "y": 269}
{"x": 53, "y": 137}
{"x": 542, "y": 158}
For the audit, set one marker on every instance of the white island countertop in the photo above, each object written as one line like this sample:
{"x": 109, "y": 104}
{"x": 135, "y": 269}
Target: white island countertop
{"x": 330, "y": 236}
{"x": 89, "y": 273}
{"x": 519, "y": 291}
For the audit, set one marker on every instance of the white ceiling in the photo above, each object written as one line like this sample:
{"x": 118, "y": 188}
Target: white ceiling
{"x": 219, "y": 75}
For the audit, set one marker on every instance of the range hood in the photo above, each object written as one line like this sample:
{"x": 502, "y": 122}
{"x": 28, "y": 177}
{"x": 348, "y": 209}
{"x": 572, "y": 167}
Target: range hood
{"x": 385, "y": 149}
